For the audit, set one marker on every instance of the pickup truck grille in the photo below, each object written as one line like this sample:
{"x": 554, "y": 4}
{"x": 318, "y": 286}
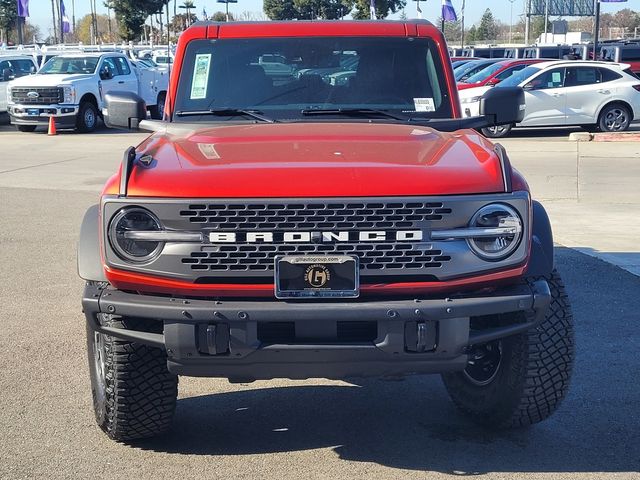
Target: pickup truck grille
{"x": 46, "y": 95}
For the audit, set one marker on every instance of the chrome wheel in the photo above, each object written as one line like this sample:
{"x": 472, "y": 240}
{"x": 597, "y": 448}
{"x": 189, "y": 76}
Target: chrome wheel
{"x": 616, "y": 119}
{"x": 484, "y": 363}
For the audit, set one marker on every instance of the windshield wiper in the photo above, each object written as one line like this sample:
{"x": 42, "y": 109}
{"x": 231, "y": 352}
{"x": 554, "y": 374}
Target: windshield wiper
{"x": 227, "y": 112}
{"x": 356, "y": 112}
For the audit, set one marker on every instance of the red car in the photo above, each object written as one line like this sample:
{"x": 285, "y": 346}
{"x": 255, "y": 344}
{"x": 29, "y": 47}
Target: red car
{"x": 278, "y": 225}
{"x": 496, "y": 72}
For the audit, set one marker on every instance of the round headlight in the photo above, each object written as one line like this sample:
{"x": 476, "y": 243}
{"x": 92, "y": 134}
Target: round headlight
{"x": 134, "y": 219}
{"x": 499, "y": 232}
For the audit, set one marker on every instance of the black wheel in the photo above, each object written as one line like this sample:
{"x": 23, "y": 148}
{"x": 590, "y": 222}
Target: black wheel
{"x": 157, "y": 111}
{"x": 26, "y": 128}
{"x": 522, "y": 379}
{"x": 134, "y": 395}
{"x": 498, "y": 131}
{"x": 87, "y": 119}
{"x": 614, "y": 118}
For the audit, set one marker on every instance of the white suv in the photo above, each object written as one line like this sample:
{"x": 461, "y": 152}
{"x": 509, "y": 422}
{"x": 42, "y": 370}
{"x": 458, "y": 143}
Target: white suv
{"x": 566, "y": 93}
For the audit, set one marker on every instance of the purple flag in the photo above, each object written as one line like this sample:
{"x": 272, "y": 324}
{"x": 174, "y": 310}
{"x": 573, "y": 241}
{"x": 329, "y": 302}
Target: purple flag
{"x": 23, "y": 8}
{"x": 66, "y": 26}
{"x": 448, "y": 13}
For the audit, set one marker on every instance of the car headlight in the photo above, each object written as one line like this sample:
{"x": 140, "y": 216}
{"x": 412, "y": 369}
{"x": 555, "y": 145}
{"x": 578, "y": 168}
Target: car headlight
{"x": 69, "y": 94}
{"x": 496, "y": 230}
{"x": 127, "y": 235}
{"x": 470, "y": 100}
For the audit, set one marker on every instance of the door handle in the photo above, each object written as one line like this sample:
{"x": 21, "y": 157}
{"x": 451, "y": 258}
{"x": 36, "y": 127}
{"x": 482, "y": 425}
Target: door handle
{"x": 121, "y": 82}
{"x": 558, "y": 94}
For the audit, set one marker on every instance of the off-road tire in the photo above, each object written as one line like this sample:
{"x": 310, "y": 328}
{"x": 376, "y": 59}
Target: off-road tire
{"x": 137, "y": 398}
{"x": 83, "y": 123}
{"x": 614, "y": 117}
{"x": 499, "y": 131}
{"x": 533, "y": 376}
{"x": 26, "y": 128}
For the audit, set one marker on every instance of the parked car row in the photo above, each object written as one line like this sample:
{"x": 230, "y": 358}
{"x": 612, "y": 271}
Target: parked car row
{"x": 616, "y": 51}
{"x": 71, "y": 87}
{"x": 594, "y": 95}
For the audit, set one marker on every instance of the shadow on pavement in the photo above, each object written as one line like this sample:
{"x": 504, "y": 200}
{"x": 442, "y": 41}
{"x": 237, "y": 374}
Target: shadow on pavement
{"x": 411, "y": 424}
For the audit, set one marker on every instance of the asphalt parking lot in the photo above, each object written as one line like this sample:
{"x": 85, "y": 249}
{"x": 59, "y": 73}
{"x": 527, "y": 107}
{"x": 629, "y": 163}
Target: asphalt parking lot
{"x": 317, "y": 428}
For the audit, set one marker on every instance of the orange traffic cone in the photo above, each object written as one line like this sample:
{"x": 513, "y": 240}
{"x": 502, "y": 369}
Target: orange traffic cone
{"x": 52, "y": 126}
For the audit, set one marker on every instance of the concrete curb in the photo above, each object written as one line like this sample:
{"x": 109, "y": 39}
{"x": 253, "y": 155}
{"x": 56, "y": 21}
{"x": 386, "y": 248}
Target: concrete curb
{"x": 604, "y": 137}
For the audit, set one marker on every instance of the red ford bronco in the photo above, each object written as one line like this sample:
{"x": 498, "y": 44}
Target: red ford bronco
{"x": 314, "y": 205}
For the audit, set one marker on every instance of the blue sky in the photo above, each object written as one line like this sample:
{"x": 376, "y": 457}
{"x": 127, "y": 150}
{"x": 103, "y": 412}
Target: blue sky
{"x": 41, "y": 9}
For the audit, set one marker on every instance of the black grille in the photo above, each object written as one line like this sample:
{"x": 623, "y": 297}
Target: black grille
{"x": 314, "y": 216}
{"x": 373, "y": 256}
{"x": 46, "y": 96}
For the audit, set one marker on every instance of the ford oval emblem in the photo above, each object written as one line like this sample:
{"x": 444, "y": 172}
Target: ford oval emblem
{"x": 33, "y": 94}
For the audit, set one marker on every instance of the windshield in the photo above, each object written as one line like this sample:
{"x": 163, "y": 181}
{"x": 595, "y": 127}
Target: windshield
{"x": 285, "y": 78}
{"x": 518, "y": 77}
{"x": 465, "y": 71}
{"x": 18, "y": 67}
{"x": 484, "y": 73}
{"x": 70, "y": 65}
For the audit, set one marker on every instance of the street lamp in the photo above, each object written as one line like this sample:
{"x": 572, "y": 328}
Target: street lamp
{"x": 511, "y": 22}
{"x": 227, "y": 2}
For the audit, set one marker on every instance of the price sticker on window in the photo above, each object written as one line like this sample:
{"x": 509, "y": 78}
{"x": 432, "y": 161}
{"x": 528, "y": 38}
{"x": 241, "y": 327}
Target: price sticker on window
{"x": 200, "y": 76}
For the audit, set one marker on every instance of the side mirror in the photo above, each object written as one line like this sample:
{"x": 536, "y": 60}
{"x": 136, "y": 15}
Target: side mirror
{"x": 493, "y": 81}
{"x": 7, "y": 74}
{"x": 124, "y": 110}
{"x": 503, "y": 105}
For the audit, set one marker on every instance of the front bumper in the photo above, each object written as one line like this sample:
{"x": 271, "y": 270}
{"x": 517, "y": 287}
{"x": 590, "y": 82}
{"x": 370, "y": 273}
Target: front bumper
{"x": 64, "y": 114}
{"x": 222, "y": 338}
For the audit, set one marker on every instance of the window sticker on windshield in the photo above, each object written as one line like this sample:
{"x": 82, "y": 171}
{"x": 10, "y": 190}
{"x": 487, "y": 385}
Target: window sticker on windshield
{"x": 200, "y": 76}
{"x": 424, "y": 104}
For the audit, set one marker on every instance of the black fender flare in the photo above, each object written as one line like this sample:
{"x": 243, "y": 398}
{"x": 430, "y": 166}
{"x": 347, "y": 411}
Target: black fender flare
{"x": 89, "y": 259}
{"x": 541, "y": 260}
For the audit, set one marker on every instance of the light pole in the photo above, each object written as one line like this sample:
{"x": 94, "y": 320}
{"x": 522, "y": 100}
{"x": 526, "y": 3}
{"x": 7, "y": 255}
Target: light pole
{"x": 226, "y": 4}
{"x": 511, "y": 22}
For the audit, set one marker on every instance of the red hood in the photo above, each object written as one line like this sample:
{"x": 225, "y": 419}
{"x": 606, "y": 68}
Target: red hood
{"x": 315, "y": 160}
{"x": 464, "y": 86}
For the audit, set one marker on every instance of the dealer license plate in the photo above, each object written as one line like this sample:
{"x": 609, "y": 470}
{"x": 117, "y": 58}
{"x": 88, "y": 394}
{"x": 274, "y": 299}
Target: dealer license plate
{"x": 33, "y": 112}
{"x": 321, "y": 276}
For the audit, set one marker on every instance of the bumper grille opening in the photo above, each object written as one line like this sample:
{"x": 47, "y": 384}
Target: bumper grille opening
{"x": 346, "y": 332}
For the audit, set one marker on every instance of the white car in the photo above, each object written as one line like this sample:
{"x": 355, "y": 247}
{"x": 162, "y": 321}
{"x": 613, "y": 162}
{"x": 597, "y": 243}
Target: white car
{"x": 12, "y": 67}
{"x": 568, "y": 93}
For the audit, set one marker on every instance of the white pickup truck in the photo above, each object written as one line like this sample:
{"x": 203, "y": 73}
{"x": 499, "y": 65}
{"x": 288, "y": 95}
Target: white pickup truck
{"x": 12, "y": 67}
{"x": 71, "y": 88}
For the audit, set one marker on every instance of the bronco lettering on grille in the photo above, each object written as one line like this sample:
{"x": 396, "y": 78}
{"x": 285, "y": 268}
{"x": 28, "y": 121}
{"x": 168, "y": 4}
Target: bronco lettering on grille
{"x": 315, "y": 237}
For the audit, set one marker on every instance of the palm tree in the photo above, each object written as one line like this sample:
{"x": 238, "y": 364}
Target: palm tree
{"x": 188, "y": 5}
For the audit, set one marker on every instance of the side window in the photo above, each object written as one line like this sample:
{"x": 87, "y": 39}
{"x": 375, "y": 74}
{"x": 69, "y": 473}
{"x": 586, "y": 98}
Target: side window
{"x": 549, "y": 79}
{"x": 509, "y": 71}
{"x": 4, "y": 66}
{"x": 580, "y": 76}
{"x": 110, "y": 64}
{"x": 630, "y": 53}
{"x": 123, "y": 66}
{"x": 608, "y": 75}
